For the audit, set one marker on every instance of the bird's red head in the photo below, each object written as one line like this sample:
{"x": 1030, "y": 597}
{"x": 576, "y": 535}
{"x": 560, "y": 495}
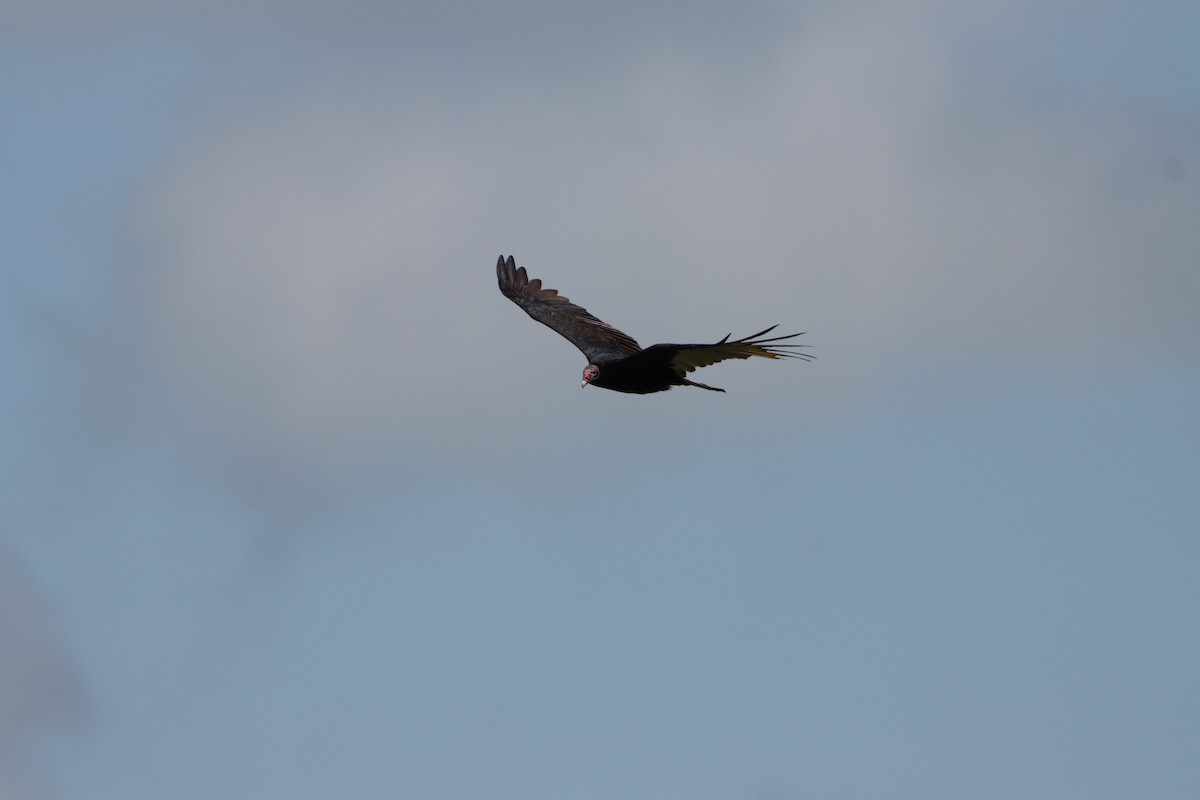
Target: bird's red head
{"x": 589, "y": 374}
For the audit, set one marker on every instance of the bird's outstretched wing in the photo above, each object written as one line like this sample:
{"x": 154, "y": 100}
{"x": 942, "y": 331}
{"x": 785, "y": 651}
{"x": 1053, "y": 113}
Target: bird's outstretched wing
{"x": 598, "y": 340}
{"x": 684, "y": 358}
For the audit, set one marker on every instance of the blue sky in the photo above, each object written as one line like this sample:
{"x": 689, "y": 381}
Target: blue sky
{"x": 295, "y": 504}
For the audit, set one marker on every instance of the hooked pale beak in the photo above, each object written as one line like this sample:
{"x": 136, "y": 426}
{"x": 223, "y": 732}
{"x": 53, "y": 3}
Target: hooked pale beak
{"x": 583, "y": 384}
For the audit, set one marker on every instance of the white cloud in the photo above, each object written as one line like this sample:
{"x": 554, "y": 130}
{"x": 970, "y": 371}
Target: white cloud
{"x": 314, "y": 275}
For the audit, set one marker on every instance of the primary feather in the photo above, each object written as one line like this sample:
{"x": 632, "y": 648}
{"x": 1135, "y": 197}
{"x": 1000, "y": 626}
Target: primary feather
{"x": 688, "y": 357}
{"x": 597, "y": 339}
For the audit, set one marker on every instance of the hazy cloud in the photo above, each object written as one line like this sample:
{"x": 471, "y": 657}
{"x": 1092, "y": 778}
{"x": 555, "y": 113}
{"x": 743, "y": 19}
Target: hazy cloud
{"x": 312, "y": 276}
{"x": 37, "y": 685}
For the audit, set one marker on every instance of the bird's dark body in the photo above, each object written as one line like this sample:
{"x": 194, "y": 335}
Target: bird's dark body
{"x": 632, "y": 376}
{"x": 615, "y": 360}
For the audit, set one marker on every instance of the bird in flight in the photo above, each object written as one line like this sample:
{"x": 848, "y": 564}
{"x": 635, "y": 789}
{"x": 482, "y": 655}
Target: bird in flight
{"x": 615, "y": 360}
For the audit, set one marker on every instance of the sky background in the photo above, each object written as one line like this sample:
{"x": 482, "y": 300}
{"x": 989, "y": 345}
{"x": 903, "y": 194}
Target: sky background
{"x": 294, "y": 504}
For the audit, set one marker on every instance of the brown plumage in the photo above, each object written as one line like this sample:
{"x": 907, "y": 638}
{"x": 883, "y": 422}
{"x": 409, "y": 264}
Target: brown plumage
{"x": 615, "y": 360}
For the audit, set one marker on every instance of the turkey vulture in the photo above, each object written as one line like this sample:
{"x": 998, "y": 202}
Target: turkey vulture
{"x": 615, "y": 360}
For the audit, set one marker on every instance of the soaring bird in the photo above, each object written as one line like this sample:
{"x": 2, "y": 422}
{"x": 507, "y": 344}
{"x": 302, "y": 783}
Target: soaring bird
{"x": 615, "y": 360}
